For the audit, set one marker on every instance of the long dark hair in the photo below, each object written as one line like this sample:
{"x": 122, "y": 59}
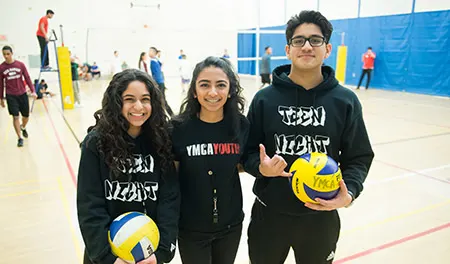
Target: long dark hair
{"x": 233, "y": 108}
{"x": 140, "y": 59}
{"x": 112, "y": 126}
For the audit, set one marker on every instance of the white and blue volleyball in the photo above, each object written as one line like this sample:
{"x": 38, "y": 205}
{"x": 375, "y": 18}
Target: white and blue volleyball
{"x": 133, "y": 236}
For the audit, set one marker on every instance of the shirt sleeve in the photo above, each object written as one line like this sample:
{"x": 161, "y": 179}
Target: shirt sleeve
{"x": 168, "y": 211}
{"x": 27, "y": 78}
{"x": 250, "y": 159}
{"x": 356, "y": 153}
{"x": 2, "y": 86}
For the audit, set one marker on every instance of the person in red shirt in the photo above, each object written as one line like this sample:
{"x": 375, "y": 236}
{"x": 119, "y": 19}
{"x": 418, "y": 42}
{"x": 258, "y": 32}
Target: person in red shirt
{"x": 42, "y": 35}
{"x": 12, "y": 74}
{"x": 368, "y": 59}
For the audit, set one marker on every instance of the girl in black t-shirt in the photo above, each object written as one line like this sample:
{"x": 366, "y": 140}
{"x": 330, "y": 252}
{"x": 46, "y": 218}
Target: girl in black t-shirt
{"x": 208, "y": 139}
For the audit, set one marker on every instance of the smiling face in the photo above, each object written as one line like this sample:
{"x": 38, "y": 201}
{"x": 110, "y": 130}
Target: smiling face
{"x": 307, "y": 57}
{"x": 212, "y": 88}
{"x": 136, "y": 106}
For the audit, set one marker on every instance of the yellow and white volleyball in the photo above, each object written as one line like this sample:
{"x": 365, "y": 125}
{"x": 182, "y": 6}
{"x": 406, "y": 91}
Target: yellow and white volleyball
{"x": 315, "y": 175}
{"x": 133, "y": 236}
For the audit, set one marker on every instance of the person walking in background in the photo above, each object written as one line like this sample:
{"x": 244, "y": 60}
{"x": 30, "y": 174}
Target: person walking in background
{"x": 12, "y": 76}
{"x": 264, "y": 68}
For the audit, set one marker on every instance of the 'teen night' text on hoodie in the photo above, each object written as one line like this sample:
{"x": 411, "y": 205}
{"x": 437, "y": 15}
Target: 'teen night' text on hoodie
{"x": 291, "y": 121}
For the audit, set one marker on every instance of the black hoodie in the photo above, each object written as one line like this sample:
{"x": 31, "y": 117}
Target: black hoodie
{"x": 291, "y": 121}
{"x": 101, "y": 199}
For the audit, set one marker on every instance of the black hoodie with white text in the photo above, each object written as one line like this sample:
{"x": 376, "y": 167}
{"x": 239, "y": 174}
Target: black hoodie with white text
{"x": 290, "y": 121}
{"x": 143, "y": 187}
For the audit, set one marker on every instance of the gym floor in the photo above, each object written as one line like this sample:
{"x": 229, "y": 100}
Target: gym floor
{"x": 403, "y": 215}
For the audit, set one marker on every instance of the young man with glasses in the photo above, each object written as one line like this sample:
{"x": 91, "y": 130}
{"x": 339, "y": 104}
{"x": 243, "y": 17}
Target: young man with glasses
{"x": 305, "y": 110}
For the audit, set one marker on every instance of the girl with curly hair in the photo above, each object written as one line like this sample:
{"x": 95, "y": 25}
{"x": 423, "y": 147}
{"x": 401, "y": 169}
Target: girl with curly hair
{"x": 126, "y": 165}
{"x": 208, "y": 138}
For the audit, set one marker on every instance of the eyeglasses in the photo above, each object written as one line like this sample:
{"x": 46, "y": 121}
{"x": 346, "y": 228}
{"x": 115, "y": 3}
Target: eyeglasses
{"x": 314, "y": 41}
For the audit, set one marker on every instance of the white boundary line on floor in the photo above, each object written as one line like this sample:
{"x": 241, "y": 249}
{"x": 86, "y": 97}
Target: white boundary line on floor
{"x": 405, "y": 175}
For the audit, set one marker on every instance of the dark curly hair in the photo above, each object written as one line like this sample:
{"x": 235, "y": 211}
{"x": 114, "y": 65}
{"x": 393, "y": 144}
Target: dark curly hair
{"x": 112, "y": 126}
{"x": 309, "y": 17}
{"x": 234, "y": 106}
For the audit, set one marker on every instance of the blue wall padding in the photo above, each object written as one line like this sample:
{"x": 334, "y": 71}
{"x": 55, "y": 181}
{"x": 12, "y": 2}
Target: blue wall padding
{"x": 413, "y": 50}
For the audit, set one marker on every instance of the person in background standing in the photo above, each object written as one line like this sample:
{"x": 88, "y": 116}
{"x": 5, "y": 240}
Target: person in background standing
{"x": 368, "y": 59}
{"x": 42, "y": 36}
{"x": 155, "y": 66}
{"x": 116, "y": 66}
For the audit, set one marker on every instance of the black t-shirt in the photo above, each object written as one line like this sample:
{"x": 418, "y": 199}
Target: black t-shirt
{"x": 208, "y": 154}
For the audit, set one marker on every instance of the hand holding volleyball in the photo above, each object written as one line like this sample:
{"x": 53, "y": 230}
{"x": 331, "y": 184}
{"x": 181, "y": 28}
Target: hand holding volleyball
{"x": 341, "y": 200}
{"x": 271, "y": 167}
{"x": 134, "y": 237}
{"x": 149, "y": 260}
{"x": 317, "y": 182}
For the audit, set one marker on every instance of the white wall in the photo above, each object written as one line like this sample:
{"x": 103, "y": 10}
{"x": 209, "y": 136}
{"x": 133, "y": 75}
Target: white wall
{"x": 294, "y": 7}
{"x": 333, "y": 9}
{"x": 432, "y": 5}
{"x": 272, "y": 13}
{"x": 245, "y": 13}
{"x": 385, "y": 7}
{"x": 200, "y": 27}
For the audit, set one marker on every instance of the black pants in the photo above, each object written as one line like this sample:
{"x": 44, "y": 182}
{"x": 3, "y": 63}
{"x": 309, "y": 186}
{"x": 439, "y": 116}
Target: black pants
{"x": 313, "y": 237}
{"x": 209, "y": 248}
{"x": 369, "y": 73}
{"x": 265, "y": 78}
{"x": 43, "y": 45}
{"x": 162, "y": 88}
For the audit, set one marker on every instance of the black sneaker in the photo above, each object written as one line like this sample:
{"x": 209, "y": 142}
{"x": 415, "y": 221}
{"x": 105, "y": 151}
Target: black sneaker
{"x": 20, "y": 142}
{"x": 24, "y": 132}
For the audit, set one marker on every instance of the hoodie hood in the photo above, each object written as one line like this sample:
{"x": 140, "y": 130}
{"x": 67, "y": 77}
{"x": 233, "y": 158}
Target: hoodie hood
{"x": 281, "y": 79}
